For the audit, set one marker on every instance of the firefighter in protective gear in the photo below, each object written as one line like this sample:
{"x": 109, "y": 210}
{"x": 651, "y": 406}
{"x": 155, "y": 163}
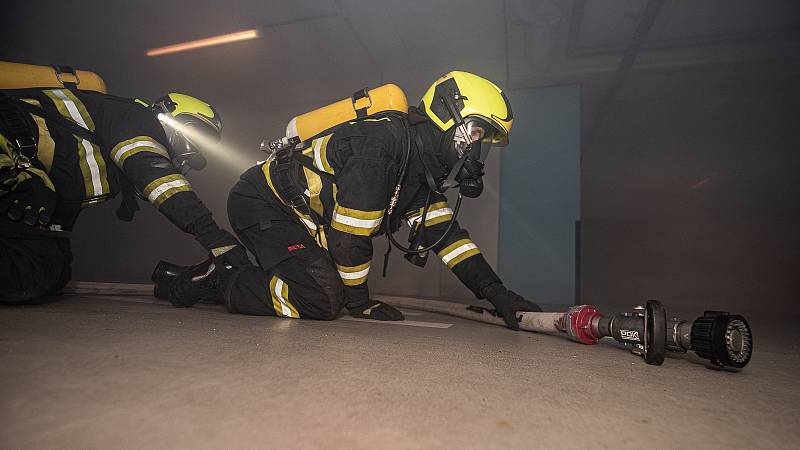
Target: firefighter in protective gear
{"x": 63, "y": 149}
{"x": 311, "y": 225}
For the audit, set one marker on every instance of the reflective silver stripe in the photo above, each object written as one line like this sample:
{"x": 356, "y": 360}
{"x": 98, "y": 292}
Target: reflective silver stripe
{"x": 279, "y": 295}
{"x": 291, "y": 129}
{"x": 360, "y": 223}
{"x": 432, "y": 215}
{"x": 309, "y": 223}
{"x": 121, "y": 152}
{"x": 94, "y": 170}
{"x": 318, "y": 155}
{"x": 458, "y": 251}
{"x": 354, "y": 275}
{"x": 438, "y": 213}
{"x": 160, "y": 189}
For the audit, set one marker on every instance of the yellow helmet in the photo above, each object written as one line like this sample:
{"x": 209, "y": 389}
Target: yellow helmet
{"x": 473, "y": 97}
{"x": 187, "y": 109}
{"x": 194, "y": 123}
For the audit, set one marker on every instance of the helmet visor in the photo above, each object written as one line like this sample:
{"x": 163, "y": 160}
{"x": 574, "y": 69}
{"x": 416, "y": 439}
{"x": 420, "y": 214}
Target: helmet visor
{"x": 477, "y": 136}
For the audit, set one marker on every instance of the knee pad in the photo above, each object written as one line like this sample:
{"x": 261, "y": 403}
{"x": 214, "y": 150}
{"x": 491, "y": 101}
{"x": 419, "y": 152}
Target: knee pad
{"x": 323, "y": 271}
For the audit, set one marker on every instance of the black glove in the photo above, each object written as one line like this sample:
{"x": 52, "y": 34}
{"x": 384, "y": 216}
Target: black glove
{"x": 508, "y": 304}
{"x": 375, "y": 310}
{"x": 230, "y": 256}
{"x": 226, "y": 251}
{"x": 26, "y": 193}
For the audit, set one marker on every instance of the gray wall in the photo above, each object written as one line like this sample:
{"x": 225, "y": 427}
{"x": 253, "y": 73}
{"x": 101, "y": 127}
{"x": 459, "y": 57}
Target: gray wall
{"x": 540, "y": 195}
{"x": 690, "y": 190}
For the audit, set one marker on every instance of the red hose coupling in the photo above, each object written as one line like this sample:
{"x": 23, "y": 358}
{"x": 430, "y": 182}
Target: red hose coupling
{"x": 580, "y": 324}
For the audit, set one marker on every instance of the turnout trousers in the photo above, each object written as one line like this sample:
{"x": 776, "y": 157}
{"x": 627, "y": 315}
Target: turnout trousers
{"x": 296, "y": 277}
{"x": 34, "y": 263}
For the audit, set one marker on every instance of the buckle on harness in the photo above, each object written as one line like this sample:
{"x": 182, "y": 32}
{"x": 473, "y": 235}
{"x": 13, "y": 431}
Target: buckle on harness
{"x": 26, "y": 145}
{"x": 59, "y": 69}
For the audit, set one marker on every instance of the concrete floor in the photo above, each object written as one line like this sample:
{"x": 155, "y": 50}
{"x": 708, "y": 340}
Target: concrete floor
{"x": 126, "y": 372}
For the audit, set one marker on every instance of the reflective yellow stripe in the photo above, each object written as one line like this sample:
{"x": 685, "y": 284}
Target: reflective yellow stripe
{"x": 354, "y": 275}
{"x": 70, "y": 107}
{"x": 46, "y": 146}
{"x": 311, "y": 227}
{"x": 318, "y": 151}
{"x": 265, "y": 170}
{"x": 45, "y": 179}
{"x": 81, "y": 109}
{"x": 354, "y": 221}
{"x": 130, "y": 147}
{"x": 438, "y": 213}
{"x": 279, "y": 291}
{"x": 458, "y": 251}
{"x": 92, "y": 164}
{"x": 160, "y": 189}
{"x": 314, "y": 188}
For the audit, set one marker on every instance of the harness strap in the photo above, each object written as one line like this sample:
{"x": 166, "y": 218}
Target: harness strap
{"x": 287, "y": 183}
{"x": 129, "y": 204}
{"x": 17, "y": 127}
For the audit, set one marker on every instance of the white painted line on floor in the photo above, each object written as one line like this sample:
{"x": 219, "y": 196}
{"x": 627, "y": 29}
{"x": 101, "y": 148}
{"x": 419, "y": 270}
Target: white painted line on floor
{"x": 409, "y": 323}
{"x": 154, "y": 301}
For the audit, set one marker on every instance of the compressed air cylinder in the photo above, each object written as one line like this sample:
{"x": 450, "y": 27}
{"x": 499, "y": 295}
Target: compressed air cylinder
{"x": 362, "y": 104}
{"x": 22, "y": 76}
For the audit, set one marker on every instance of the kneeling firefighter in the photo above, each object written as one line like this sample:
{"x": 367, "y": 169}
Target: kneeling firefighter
{"x": 309, "y": 213}
{"x": 67, "y": 146}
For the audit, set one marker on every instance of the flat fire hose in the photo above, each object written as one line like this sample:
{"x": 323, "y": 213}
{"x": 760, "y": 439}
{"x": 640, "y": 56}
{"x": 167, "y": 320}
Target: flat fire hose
{"x": 536, "y": 322}
{"x": 726, "y": 340}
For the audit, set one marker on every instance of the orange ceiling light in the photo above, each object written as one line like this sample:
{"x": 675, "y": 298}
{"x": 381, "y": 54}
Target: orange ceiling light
{"x": 207, "y": 42}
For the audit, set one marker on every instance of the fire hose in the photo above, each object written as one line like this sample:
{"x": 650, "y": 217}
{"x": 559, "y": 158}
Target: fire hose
{"x": 724, "y": 339}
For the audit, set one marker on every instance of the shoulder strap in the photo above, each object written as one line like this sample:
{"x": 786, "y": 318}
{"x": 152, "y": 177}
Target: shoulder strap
{"x": 73, "y": 127}
{"x": 17, "y": 127}
{"x": 128, "y": 207}
{"x": 308, "y": 163}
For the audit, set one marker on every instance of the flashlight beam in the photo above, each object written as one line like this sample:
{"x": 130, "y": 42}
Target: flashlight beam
{"x": 233, "y": 157}
{"x": 207, "y": 42}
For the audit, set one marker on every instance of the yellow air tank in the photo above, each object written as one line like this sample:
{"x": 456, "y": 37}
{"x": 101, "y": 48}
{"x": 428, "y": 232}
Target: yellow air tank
{"x": 22, "y": 76}
{"x": 363, "y": 103}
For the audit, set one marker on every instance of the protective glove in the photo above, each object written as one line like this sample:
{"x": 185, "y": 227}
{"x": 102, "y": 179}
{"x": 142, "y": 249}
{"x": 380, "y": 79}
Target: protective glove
{"x": 226, "y": 251}
{"x": 230, "y": 256}
{"x": 508, "y": 304}
{"x": 26, "y": 192}
{"x": 375, "y": 310}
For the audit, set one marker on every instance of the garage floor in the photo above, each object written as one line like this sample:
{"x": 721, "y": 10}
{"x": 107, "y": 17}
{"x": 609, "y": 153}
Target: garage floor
{"x": 94, "y": 371}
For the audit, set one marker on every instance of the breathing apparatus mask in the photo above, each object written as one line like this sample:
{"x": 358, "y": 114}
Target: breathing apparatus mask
{"x": 466, "y": 158}
{"x": 474, "y": 114}
{"x": 189, "y": 124}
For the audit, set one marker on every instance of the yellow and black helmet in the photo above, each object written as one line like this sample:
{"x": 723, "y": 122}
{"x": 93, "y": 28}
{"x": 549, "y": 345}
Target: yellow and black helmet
{"x": 192, "y": 124}
{"x": 473, "y": 97}
{"x": 190, "y": 110}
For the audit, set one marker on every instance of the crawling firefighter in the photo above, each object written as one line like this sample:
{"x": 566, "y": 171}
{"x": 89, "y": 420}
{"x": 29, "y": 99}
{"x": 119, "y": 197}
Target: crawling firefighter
{"x": 310, "y": 212}
{"x": 63, "y": 149}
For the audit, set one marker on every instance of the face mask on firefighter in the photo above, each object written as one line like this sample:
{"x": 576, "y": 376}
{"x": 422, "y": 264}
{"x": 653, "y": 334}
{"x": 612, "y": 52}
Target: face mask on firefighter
{"x": 471, "y": 143}
{"x": 190, "y": 125}
{"x": 185, "y": 153}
